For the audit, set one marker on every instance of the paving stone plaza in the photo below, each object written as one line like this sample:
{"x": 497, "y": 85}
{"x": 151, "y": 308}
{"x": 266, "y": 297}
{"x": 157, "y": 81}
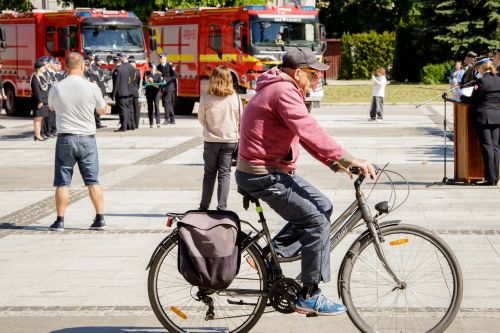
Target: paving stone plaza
{"x": 89, "y": 281}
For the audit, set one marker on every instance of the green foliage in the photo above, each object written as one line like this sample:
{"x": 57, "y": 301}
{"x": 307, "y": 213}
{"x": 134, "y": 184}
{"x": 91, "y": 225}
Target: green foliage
{"x": 17, "y": 5}
{"x": 364, "y": 52}
{"x": 436, "y": 73}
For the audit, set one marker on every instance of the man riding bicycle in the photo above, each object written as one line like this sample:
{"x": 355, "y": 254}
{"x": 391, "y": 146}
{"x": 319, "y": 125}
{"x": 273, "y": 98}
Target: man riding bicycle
{"x": 274, "y": 122}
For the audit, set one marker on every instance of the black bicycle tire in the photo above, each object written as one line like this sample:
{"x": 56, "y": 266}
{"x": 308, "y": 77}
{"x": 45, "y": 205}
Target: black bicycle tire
{"x": 161, "y": 315}
{"x": 361, "y": 244}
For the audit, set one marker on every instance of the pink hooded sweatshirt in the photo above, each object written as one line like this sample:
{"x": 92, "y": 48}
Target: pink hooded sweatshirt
{"x": 276, "y": 120}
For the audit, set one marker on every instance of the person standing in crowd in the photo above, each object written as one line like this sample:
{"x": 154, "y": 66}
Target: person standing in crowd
{"x": 96, "y": 76}
{"x": 379, "y": 82}
{"x": 136, "y": 84}
{"x": 273, "y": 124}
{"x": 76, "y": 138}
{"x": 485, "y": 100}
{"x": 39, "y": 98}
{"x": 152, "y": 81}
{"x": 219, "y": 113}
{"x": 456, "y": 74}
{"x": 496, "y": 60}
{"x": 469, "y": 60}
{"x": 122, "y": 93}
{"x": 169, "y": 89}
{"x": 60, "y": 74}
{"x": 50, "y": 75}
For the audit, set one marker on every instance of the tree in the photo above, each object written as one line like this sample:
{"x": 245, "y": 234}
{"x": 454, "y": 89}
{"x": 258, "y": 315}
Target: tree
{"x": 17, "y": 5}
{"x": 469, "y": 25}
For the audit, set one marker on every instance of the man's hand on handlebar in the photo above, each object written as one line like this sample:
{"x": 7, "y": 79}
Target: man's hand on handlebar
{"x": 366, "y": 168}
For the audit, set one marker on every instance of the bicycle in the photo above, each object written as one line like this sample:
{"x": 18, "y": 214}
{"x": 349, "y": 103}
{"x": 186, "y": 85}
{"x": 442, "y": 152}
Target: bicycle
{"x": 392, "y": 277}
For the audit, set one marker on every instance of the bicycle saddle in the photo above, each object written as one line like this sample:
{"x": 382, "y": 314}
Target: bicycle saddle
{"x": 247, "y": 197}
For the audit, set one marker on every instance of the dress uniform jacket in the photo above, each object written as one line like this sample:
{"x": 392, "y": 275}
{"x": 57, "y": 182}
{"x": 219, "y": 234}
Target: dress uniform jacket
{"x": 39, "y": 90}
{"x": 485, "y": 99}
{"x": 121, "y": 79}
{"x": 169, "y": 76}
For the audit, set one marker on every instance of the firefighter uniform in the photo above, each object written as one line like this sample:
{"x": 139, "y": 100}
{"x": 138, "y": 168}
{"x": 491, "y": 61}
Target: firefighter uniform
{"x": 97, "y": 75}
{"x": 122, "y": 95}
{"x": 50, "y": 76}
{"x": 169, "y": 89}
{"x": 136, "y": 83}
{"x": 152, "y": 80}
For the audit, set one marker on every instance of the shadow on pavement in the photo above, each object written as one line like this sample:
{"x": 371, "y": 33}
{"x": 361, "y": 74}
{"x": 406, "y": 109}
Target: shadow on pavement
{"x": 110, "y": 329}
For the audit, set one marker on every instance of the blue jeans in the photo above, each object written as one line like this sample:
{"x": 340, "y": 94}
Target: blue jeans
{"x": 307, "y": 211}
{"x": 72, "y": 149}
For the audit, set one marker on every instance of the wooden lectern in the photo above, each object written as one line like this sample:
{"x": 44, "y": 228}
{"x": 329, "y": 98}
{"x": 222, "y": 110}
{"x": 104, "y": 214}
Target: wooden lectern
{"x": 468, "y": 157}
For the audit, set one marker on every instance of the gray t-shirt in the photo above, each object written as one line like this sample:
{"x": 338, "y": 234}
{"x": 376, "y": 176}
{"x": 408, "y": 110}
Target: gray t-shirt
{"x": 74, "y": 100}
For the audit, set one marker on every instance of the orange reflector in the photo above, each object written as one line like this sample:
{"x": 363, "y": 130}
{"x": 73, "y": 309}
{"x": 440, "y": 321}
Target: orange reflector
{"x": 399, "y": 242}
{"x": 178, "y": 312}
{"x": 251, "y": 262}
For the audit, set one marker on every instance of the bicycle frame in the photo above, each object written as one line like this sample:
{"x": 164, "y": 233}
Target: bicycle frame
{"x": 343, "y": 225}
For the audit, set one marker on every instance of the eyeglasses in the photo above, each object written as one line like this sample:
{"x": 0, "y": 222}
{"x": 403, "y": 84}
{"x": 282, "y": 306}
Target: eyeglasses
{"x": 310, "y": 71}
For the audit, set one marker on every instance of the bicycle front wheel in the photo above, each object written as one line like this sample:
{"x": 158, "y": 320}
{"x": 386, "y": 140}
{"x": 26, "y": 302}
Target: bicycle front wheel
{"x": 432, "y": 291}
{"x": 235, "y": 309}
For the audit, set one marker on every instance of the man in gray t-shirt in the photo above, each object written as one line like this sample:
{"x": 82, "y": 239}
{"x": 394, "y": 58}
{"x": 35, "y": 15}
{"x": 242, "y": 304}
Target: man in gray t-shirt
{"x": 74, "y": 100}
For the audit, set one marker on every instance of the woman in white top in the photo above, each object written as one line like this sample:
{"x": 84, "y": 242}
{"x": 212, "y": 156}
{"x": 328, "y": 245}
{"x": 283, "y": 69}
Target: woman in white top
{"x": 219, "y": 113}
{"x": 379, "y": 83}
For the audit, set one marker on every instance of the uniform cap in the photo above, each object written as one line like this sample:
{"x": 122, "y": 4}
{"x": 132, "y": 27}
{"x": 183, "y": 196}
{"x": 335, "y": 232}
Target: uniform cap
{"x": 44, "y": 59}
{"x": 132, "y": 61}
{"x": 90, "y": 54}
{"x": 471, "y": 54}
{"x": 115, "y": 59}
{"x": 296, "y": 57}
{"x": 482, "y": 61}
{"x": 163, "y": 55}
{"x": 121, "y": 55}
{"x": 39, "y": 63}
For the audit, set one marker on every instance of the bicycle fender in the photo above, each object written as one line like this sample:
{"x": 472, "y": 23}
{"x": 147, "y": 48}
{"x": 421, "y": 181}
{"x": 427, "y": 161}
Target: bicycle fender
{"x": 352, "y": 249}
{"x": 160, "y": 245}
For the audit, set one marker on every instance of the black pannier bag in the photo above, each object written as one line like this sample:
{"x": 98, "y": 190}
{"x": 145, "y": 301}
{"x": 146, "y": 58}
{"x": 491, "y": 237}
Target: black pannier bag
{"x": 209, "y": 253}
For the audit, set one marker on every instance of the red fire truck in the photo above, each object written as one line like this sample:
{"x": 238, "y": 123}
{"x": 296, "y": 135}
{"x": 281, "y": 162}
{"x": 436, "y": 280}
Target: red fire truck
{"x": 56, "y": 33}
{"x": 248, "y": 39}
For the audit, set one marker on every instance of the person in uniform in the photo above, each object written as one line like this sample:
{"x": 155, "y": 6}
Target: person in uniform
{"x": 169, "y": 89}
{"x": 468, "y": 76}
{"x": 122, "y": 78}
{"x": 96, "y": 75}
{"x": 39, "y": 98}
{"x": 152, "y": 81}
{"x": 485, "y": 100}
{"x": 136, "y": 84}
{"x": 496, "y": 60}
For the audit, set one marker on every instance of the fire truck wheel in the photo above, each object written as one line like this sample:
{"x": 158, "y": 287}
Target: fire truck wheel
{"x": 15, "y": 106}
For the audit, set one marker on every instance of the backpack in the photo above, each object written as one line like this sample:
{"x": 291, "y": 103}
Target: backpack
{"x": 209, "y": 252}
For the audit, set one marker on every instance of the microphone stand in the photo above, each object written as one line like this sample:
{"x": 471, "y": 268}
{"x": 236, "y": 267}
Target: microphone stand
{"x": 443, "y": 95}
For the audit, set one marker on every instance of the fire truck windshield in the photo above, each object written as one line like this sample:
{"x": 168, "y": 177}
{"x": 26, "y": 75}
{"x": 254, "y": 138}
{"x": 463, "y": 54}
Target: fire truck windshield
{"x": 267, "y": 33}
{"x": 112, "y": 38}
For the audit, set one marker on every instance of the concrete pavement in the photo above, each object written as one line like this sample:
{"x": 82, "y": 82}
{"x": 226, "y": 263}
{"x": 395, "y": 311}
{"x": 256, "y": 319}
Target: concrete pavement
{"x": 86, "y": 281}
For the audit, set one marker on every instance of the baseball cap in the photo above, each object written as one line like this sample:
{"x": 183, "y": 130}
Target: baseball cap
{"x": 297, "y": 57}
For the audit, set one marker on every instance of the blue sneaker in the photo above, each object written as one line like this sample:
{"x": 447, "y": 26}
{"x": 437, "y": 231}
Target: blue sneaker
{"x": 318, "y": 305}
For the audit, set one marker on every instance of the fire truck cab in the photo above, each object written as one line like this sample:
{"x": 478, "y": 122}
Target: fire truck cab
{"x": 247, "y": 39}
{"x": 56, "y": 33}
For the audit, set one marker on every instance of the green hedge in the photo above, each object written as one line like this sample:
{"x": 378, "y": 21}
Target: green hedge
{"x": 362, "y": 53}
{"x": 436, "y": 73}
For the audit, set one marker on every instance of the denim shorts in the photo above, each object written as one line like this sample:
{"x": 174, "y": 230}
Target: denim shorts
{"x": 72, "y": 149}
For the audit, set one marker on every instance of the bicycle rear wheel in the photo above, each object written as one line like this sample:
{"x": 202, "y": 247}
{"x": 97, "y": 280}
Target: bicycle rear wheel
{"x": 236, "y": 309}
{"x": 431, "y": 298}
